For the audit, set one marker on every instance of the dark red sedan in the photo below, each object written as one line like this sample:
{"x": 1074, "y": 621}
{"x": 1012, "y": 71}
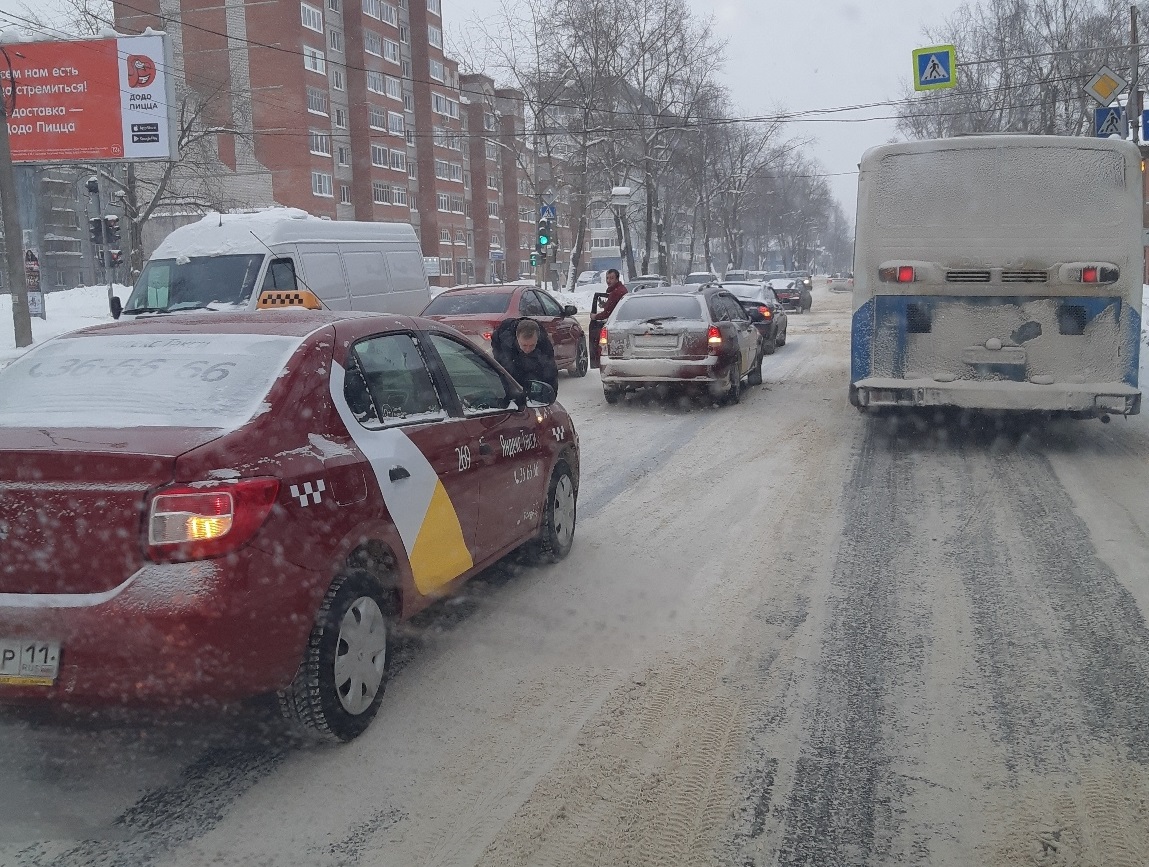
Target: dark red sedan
{"x": 478, "y": 310}
{"x": 209, "y": 507}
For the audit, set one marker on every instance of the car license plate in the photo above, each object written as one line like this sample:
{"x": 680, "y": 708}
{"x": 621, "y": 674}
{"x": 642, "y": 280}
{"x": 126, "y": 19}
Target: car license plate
{"x": 660, "y": 341}
{"x": 28, "y": 663}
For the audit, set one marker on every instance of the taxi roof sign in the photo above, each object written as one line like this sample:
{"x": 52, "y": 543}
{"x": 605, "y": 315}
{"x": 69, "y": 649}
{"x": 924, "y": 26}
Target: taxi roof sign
{"x": 935, "y": 68}
{"x": 1106, "y": 86}
{"x": 279, "y": 299}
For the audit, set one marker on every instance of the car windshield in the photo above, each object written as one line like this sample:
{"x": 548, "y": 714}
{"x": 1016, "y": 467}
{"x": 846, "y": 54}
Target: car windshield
{"x": 645, "y": 307}
{"x": 143, "y": 380}
{"x": 197, "y": 282}
{"x": 695, "y": 279}
{"x": 469, "y": 304}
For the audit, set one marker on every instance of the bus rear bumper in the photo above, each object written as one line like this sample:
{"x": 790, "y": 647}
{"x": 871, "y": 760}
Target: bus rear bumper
{"x": 1079, "y": 398}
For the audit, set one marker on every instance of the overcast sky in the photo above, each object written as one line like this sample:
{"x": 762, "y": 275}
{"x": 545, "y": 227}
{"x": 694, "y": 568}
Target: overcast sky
{"x": 796, "y": 56}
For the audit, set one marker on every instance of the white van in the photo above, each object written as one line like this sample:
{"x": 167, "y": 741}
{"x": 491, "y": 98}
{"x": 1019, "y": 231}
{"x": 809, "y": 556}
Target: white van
{"x": 225, "y": 261}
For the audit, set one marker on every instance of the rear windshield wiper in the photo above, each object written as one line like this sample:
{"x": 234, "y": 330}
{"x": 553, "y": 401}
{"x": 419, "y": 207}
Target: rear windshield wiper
{"x": 654, "y": 320}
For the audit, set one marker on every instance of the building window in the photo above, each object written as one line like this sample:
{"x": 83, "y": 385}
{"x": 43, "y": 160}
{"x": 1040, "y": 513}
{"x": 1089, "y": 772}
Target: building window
{"x": 313, "y": 60}
{"x": 492, "y": 209}
{"x": 492, "y": 150}
{"x": 411, "y": 138}
{"x": 394, "y": 87}
{"x": 524, "y": 215}
{"x": 406, "y": 68}
{"x": 444, "y": 202}
{"x": 382, "y": 11}
{"x": 460, "y": 238}
{"x": 446, "y": 268}
{"x": 390, "y": 50}
{"x": 408, "y": 102}
{"x": 599, "y": 243}
{"x": 398, "y": 161}
{"x": 492, "y": 182}
{"x": 441, "y": 105}
{"x": 457, "y": 204}
{"x": 435, "y": 36}
{"x": 340, "y": 117}
{"x": 444, "y": 236}
{"x": 378, "y": 156}
{"x": 372, "y": 43}
{"x": 380, "y": 193}
{"x": 433, "y": 6}
{"x": 376, "y": 82}
{"x": 399, "y": 195}
{"x": 344, "y": 194}
{"x": 317, "y": 100}
{"x": 335, "y": 5}
{"x": 335, "y": 40}
{"x": 441, "y": 169}
{"x": 320, "y": 142}
{"x": 321, "y": 184}
{"x": 376, "y": 117}
{"x": 488, "y": 121}
{"x": 390, "y": 14}
{"x": 404, "y": 34}
{"x": 496, "y": 240}
{"x": 412, "y": 167}
{"x": 466, "y": 180}
{"x": 337, "y": 81}
{"x": 436, "y": 69}
{"x": 344, "y": 155}
{"x": 456, "y": 172}
{"x": 395, "y": 123}
{"x": 312, "y": 17}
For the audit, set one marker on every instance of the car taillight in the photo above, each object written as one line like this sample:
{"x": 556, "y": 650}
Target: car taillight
{"x": 602, "y": 338}
{"x": 195, "y": 522}
{"x": 487, "y": 335}
{"x": 713, "y": 338}
{"x": 1098, "y": 274}
{"x": 897, "y": 274}
{"x": 766, "y": 312}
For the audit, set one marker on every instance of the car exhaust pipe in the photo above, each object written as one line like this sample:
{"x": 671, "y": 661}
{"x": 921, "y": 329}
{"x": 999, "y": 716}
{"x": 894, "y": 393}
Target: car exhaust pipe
{"x": 1104, "y": 418}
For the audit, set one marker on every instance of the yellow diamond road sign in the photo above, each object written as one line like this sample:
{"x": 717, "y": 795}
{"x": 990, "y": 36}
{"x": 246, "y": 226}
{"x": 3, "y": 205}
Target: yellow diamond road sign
{"x": 1106, "y": 86}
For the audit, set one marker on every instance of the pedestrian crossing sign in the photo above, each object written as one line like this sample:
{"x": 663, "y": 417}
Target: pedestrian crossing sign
{"x": 1110, "y": 121}
{"x": 935, "y": 68}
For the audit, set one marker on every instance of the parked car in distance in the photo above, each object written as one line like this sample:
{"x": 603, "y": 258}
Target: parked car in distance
{"x": 477, "y": 311}
{"x": 698, "y": 337}
{"x": 793, "y": 295}
{"x": 587, "y": 277}
{"x": 738, "y": 276}
{"x": 765, "y": 309}
{"x": 274, "y": 491}
{"x": 700, "y": 278}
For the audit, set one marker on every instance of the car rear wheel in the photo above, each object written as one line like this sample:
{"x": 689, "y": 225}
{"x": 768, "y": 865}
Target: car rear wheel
{"x": 559, "y": 514}
{"x": 755, "y": 375}
{"x": 769, "y": 347}
{"x": 339, "y": 685}
{"x": 582, "y": 360}
{"x": 781, "y": 339}
{"x": 733, "y": 393}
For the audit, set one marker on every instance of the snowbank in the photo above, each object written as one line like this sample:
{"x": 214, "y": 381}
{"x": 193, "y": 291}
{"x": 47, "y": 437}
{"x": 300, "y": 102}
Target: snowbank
{"x": 67, "y": 311}
{"x": 582, "y": 297}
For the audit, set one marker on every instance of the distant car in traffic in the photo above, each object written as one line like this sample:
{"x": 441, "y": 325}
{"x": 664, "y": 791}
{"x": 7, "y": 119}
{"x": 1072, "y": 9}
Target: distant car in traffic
{"x": 765, "y": 309}
{"x": 793, "y": 295}
{"x": 587, "y": 277}
{"x": 478, "y": 310}
{"x": 683, "y": 336}
{"x": 646, "y": 281}
{"x": 700, "y": 278}
{"x": 215, "y": 506}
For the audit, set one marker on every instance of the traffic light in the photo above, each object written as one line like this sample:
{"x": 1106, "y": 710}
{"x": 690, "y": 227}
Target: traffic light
{"x": 534, "y": 260}
{"x": 544, "y": 234}
{"x": 96, "y": 231}
{"x": 112, "y": 230}
{"x": 117, "y": 256}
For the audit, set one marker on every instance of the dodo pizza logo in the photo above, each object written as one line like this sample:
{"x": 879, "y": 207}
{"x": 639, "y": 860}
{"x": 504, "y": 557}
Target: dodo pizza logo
{"x": 141, "y": 70}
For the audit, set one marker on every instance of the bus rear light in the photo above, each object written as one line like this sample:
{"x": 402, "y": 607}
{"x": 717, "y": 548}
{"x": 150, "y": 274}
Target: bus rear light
{"x": 1094, "y": 273}
{"x": 897, "y": 274}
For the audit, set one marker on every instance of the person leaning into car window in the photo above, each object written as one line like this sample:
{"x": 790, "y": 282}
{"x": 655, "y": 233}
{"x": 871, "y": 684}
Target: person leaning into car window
{"x": 525, "y": 350}
{"x": 615, "y": 290}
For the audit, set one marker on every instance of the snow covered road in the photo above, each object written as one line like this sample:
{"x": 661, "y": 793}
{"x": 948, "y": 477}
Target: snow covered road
{"x": 787, "y": 634}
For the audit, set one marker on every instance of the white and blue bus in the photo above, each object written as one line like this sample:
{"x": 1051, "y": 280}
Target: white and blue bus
{"x": 999, "y": 272}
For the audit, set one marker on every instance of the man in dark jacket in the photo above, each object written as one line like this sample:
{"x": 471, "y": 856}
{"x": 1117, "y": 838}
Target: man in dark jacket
{"x": 525, "y": 350}
{"x": 615, "y": 291}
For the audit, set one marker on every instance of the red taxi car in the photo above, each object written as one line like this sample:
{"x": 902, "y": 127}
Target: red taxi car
{"x": 478, "y": 310}
{"x": 209, "y": 507}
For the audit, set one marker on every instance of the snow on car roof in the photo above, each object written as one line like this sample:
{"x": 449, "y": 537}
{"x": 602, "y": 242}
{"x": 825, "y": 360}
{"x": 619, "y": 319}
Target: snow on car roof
{"x": 297, "y": 322}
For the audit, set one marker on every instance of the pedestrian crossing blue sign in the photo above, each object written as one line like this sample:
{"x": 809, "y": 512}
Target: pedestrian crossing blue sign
{"x": 1110, "y": 121}
{"x": 548, "y": 211}
{"x": 935, "y": 68}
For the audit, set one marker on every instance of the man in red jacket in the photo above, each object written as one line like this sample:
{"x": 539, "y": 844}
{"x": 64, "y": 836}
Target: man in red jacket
{"x": 616, "y": 289}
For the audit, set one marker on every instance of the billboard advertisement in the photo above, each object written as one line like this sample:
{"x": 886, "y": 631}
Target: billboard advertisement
{"x": 95, "y": 99}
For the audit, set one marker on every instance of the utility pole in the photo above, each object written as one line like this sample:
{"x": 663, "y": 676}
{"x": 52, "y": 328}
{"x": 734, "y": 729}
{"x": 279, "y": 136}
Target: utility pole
{"x": 1134, "y": 101}
{"x": 13, "y": 234}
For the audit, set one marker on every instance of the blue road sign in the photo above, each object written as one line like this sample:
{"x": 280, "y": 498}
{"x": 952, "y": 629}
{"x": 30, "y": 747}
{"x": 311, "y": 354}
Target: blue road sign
{"x": 1110, "y": 121}
{"x": 548, "y": 211}
{"x": 1145, "y": 125}
{"x": 934, "y": 67}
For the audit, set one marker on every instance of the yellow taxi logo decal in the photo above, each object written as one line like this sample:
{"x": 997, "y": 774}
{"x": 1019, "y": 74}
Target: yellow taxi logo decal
{"x": 440, "y": 554}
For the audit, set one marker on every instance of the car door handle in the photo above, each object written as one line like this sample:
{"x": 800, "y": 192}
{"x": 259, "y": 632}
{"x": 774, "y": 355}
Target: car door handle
{"x": 398, "y": 473}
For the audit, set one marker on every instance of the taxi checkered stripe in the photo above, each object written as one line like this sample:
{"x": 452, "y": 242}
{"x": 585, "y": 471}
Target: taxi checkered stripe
{"x": 309, "y": 493}
{"x": 281, "y": 299}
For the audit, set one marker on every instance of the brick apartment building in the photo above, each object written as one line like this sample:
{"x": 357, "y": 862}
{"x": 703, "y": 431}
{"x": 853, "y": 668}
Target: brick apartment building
{"x": 350, "y": 109}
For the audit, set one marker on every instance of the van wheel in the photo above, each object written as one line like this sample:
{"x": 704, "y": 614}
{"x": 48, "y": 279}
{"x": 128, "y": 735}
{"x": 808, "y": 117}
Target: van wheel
{"x": 339, "y": 685}
{"x": 582, "y": 360}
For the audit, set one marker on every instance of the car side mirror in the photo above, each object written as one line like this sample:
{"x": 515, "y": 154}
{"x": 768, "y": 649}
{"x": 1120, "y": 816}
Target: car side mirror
{"x": 117, "y": 306}
{"x": 540, "y": 393}
{"x": 570, "y": 310}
